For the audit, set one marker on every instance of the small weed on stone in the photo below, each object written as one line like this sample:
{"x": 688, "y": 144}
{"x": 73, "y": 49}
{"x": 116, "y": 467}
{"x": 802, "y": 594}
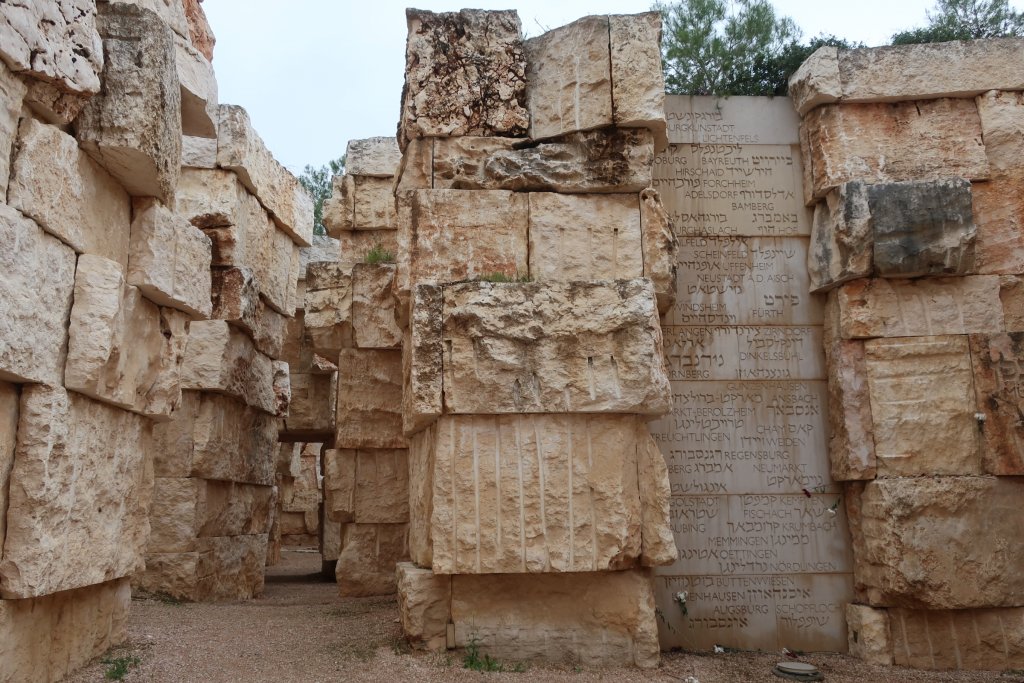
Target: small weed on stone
{"x": 379, "y": 255}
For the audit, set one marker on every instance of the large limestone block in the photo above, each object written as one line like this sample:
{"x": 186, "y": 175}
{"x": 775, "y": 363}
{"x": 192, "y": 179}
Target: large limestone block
{"x": 928, "y": 140}
{"x": 79, "y": 494}
{"x": 199, "y": 31}
{"x": 922, "y": 406}
{"x": 415, "y": 172}
{"x": 47, "y": 638}
{"x": 368, "y": 486}
{"x": 368, "y": 557}
{"x": 917, "y": 308}
{"x": 585, "y": 237}
{"x": 422, "y": 360}
{"x": 657, "y": 543}
{"x": 240, "y": 149}
{"x": 213, "y": 436}
{"x": 554, "y": 348}
{"x": 185, "y": 510}
{"x": 212, "y": 198}
{"x": 68, "y": 194}
{"x": 328, "y": 308}
{"x": 198, "y": 152}
{"x": 224, "y": 568}
{"x": 659, "y": 248}
{"x": 123, "y": 349}
{"x": 984, "y": 639}
{"x": 133, "y": 126}
{"x": 354, "y": 245}
{"x": 1011, "y": 296}
{"x": 453, "y": 235}
{"x": 372, "y": 157}
{"x": 9, "y": 400}
{"x": 916, "y": 542}
{"x": 841, "y": 238}
{"x": 312, "y": 410}
{"x": 997, "y": 380}
{"x": 373, "y": 204}
{"x": 169, "y": 259}
{"x": 422, "y": 457}
{"x": 1002, "y": 125}
{"x": 199, "y": 110}
{"x": 37, "y": 279}
{"x": 340, "y": 208}
{"x": 373, "y": 307}
{"x": 569, "y": 78}
{"x": 999, "y": 216}
{"x": 598, "y": 619}
{"x": 851, "y": 446}
{"x": 236, "y": 299}
{"x": 423, "y": 605}
{"x": 465, "y": 74}
{"x": 12, "y": 92}
{"x": 219, "y": 358}
{"x": 868, "y": 634}
{"x": 638, "y": 85}
{"x": 817, "y": 81}
{"x": 370, "y": 399}
{"x": 608, "y": 160}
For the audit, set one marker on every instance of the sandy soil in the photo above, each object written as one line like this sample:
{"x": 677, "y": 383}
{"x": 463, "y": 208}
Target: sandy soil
{"x": 300, "y": 631}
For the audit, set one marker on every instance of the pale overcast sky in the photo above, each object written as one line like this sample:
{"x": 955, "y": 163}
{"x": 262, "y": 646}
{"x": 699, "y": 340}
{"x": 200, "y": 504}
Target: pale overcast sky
{"x": 314, "y": 74}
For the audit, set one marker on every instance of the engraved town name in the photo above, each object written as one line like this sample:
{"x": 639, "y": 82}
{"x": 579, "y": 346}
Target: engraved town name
{"x": 764, "y": 547}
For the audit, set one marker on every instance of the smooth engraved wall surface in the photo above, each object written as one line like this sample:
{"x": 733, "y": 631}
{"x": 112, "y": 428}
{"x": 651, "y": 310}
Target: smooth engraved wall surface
{"x": 764, "y": 548}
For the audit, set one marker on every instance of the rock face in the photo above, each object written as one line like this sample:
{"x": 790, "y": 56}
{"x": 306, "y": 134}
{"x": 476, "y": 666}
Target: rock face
{"x": 851, "y": 443}
{"x": 224, "y": 568}
{"x": 12, "y": 93}
{"x": 9, "y": 401}
{"x": 995, "y": 361}
{"x": 373, "y": 307}
{"x": 199, "y": 110}
{"x": 957, "y": 639}
{"x": 423, "y": 359}
{"x": 187, "y": 510}
{"x": 372, "y": 157}
{"x": 370, "y": 399}
{"x": 133, "y": 126}
{"x": 659, "y": 248}
{"x": 638, "y": 86}
{"x": 369, "y": 485}
{"x": 465, "y": 75}
{"x": 200, "y": 34}
{"x": 79, "y": 483}
{"x": 423, "y": 605}
{"x": 869, "y": 634}
{"x": 328, "y": 308}
{"x": 235, "y": 298}
{"x": 369, "y": 553}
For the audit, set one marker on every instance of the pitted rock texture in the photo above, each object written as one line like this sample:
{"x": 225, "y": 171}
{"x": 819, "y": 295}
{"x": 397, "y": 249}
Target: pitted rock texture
{"x": 841, "y": 238}
{"x": 869, "y": 636}
{"x": 372, "y": 157}
{"x": 12, "y": 93}
{"x": 328, "y": 308}
{"x": 236, "y": 298}
{"x": 373, "y": 204}
{"x": 373, "y": 307}
{"x": 851, "y": 445}
{"x": 9, "y": 402}
{"x": 465, "y": 75}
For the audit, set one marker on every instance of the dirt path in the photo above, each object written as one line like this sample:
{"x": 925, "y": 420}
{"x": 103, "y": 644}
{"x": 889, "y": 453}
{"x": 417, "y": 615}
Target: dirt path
{"x": 300, "y": 631}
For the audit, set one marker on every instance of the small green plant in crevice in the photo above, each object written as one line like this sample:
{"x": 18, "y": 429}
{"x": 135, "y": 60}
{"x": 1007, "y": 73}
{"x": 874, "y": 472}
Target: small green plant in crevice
{"x": 378, "y": 254}
{"x": 502, "y": 277}
{"x": 474, "y": 660}
{"x": 118, "y": 667}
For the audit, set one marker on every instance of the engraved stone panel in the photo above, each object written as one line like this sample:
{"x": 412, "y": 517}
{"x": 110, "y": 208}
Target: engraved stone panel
{"x": 718, "y": 352}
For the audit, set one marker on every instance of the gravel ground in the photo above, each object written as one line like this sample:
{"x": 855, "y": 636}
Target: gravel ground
{"x": 300, "y": 631}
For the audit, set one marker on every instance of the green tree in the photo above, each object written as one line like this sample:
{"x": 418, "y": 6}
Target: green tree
{"x": 965, "y": 20}
{"x": 317, "y": 182}
{"x": 713, "y": 47}
{"x": 770, "y": 73}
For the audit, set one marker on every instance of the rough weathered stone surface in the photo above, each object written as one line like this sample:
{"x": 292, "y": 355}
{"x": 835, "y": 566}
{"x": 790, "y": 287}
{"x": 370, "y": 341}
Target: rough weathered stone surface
{"x": 313, "y": 407}
{"x": 554, "y": 347}
{"x": 340, "y": 207}
{"x": 911, "y": 549}
{"x": 236, "y": 299}
{"x": 185, "y": 510}
{"x": 585, "y": 237}
{"x": 354, "y": 245}
{"x": 368, "y": 557}
{"x": 851, "y": 445}
{"x": 80, "y": 492}
{"x": 369, "y": 486}
{"x": 999, "y": 216}
{"x": 638, "y": 86}
{"x": 169, "y": 259}
{"x": 373, "y": 307}
{"x": 868, "y": 634}
{"x": 415, "y": 172}
{"x": 529, "y": 618}
{"x": 422, "y": 360}
{"x": 922, "y": 406}
{"x": 123, "y": 349}
{"x": 422, "y": 457}
{"x": 211, "y": 198}
{"x": 657, "y": 543}
{"x": 916, "y": 308}
{"x": 987, "y": 639}
{"x": 12, "y": 92}
{"x": 68, "y": 194}
{"x": 199, "y": 111}
{"x": 370, "y": 399}
{"x": 200, "y": 34}
{"x": 45, "y": 639}
{"x": 1002, "y": 126}
{"x": 465, "y": 74}
{"x": 324, "y": 249}
{"x": 171, "y": 12}
{"x": 219, "y": 358}
{"x": 817, "y": 81}
{"x": 423, "y": 605}
{"x": 37, "y": 277}
{"x": 609, "y": 160}
{"x": 213, "y": 436}
{"x": 328, "y": 308}
{"x": 928, "y": 140}
{"x": 240, "y": 149}
{"x": 223, "y": 568}
{"x": 133, "y": 126}
{"x": 372, "y": 157}
{"x": 997, "y": 380}
{"x": 659, "y": 248}
{"x": 841, "y": 237}
{"x": 1011, "y": 296}
{"x": 198, "y": 152}
{"x": 373, "y": 204}
{"x": 9, "y": 400}
{"x": 569, "y": 78}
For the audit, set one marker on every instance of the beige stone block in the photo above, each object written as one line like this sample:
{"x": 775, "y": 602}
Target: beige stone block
{"x": 660, "y": 248}
{"x": 554, "y": 347}
{"x": 198, "y": 152}
{"x": 340, "y": 207}
{"x": 328, "y": 308}
{"x": 422, "y": 360}
{"x": 453, "y": 235}
{"x": 851, "y": 445}
{"x": 370, "y": 399}
{"x": 240, "y": 149}
{"x": 81, "y": 483}
{"x": 236, "y": 299}
{"x": 354, "y": 245}
{"x": 731, "y": 352}
{"x": 996, "y": 361}
{"x": 324, "y": 249}
{"x": 870, "y": 638}
{"x": 531, "y": 618}
{"x": 841, "y": 238}
{"x": 1011, "y": 296}
{"x": 199, "y": 32}
{"x": 917, "y": 308}
{"x": 330, "y": 540}
{"x": 56, "y": 184}
{"x": 817, "y": 81}
{"x": 415, "y": 172}
{"x": 169, "y": 259}
{"x": 569, "y": 78}
{"x": 9, "y": 400}
{"x": 45, "y": 639}
{"x": 924, "y": 140}
{"x": 339, "y": 485}
{"x": 999, "y": 216}
{"x": 373, "y": 157}
{"x": 224, "y": 568}
{"x": 424, "y": 600}
{"x": 915, "y": 542}
{"x": 12, "y": 93}
{"x": 710, "y": 120}
{"x": 185, "y": 510}
{"x": 922, "y": 406}
{"x": 638, "y": 85}
{"x": 657, "y": 544}
{"x": 212, "y": 198}
{"x": 199, "y": 110}
{"x": 37, "y": 278}
{"x": 313, "y": 409}
{"x": 51, "y": 104}
{"x": 1002, "y": 127}
{"x": 982, "y": 639}
{"x": 171, "y": 12}
{"x": 585, "y": 237}
{"x": 373, "y": 307}
{"x": 368, "y": 557}
{"x": 374, "y": 204}
{"x": 219, "y": 358}
{"x": 133, "y": 126}
{"x": 368, "y": 486}
{"x": 465, "y": 75}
